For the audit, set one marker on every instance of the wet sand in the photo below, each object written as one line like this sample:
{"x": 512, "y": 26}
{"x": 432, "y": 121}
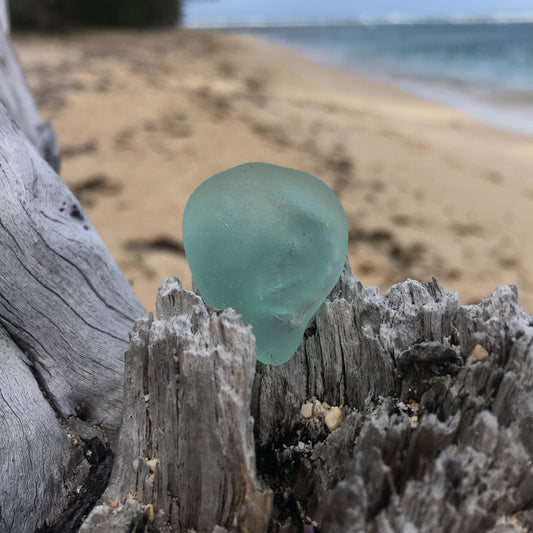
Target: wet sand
{"x": 144, "y": 117}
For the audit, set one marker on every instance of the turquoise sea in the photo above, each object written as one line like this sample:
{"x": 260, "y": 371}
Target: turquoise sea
{"x": 485, "y": 69}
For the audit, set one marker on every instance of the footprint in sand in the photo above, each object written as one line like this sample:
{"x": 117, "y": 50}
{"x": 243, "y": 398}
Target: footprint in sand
{"x": 85, "y": 147}
{"x": 91, "y": 188}
{"x": 494, "y": 177}
{"x": 465, "y": 229}
{"x": 124, "y": 139}
{"x": 401, "y": 219}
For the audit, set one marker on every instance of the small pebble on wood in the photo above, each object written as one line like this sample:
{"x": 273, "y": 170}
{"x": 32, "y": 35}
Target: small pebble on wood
{"x": 478, "y": 354}
{"x": 333, "y": 419}
{"x": 307, "y": 410}
{"x": 269, "y": 242}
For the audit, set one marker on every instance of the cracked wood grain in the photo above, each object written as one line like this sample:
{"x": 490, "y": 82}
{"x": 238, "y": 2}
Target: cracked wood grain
{"x": 431, "y": 438}
{"x": 63, "y": 298}
{"x": 40, "y": 465}
{"x": 186, "y": 447}
{"x": 66, "y": 309}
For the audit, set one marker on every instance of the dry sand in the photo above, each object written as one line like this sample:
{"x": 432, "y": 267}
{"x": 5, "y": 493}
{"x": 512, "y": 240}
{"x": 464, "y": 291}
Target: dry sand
{"x": 143, "y": 118}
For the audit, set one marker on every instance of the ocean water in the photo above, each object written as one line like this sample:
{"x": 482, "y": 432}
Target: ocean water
{"x": 485, "y": 69}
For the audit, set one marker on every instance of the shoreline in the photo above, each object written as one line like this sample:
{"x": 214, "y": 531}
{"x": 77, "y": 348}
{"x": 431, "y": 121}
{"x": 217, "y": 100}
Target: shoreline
{"x": 487, "y": 106}
{"x": 144, "y": 117}
{"x": 509, "y": 117}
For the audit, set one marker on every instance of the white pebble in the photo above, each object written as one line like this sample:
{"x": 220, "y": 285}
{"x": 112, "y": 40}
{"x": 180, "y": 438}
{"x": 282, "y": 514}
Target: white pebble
{"x": 152, "y": 464}
{"x": 307, "y": 410}
{"x": 333, "y": 419}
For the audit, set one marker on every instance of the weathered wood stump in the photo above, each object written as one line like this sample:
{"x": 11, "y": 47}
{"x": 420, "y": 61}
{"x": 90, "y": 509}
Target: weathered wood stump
{"x": 437, "y": 417}
{"x": 186, "y": 449}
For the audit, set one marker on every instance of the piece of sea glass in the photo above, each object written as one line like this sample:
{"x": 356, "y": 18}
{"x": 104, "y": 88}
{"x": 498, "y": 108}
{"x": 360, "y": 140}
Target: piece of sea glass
{"x": 270, "y": 242}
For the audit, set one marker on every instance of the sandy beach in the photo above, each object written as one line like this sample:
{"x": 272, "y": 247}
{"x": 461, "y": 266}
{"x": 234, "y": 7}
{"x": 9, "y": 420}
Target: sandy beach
{"x": 143, "y": 118}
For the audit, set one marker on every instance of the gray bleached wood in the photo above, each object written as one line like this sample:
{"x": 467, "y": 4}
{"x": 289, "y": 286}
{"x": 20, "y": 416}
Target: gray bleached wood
{"x": 16, "y": 97}
{"x": 186, "y": 445}
{"x": 39, "y": 463}
{"x": 62, "y": 297}
{"x": 432, "y": 439}
{"x": 65, "y": 313}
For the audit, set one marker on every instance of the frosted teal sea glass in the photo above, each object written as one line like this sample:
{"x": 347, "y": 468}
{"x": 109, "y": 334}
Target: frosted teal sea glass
{"x": 270, "y": 242}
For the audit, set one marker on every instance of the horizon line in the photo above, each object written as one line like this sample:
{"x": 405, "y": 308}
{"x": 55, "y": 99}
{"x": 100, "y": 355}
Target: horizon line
{"x": 362, "y": 21}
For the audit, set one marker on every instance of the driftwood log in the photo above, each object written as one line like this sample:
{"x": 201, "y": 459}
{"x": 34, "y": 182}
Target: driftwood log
{"x": 401, "y": 411}
{"x": 65, "y": 314}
